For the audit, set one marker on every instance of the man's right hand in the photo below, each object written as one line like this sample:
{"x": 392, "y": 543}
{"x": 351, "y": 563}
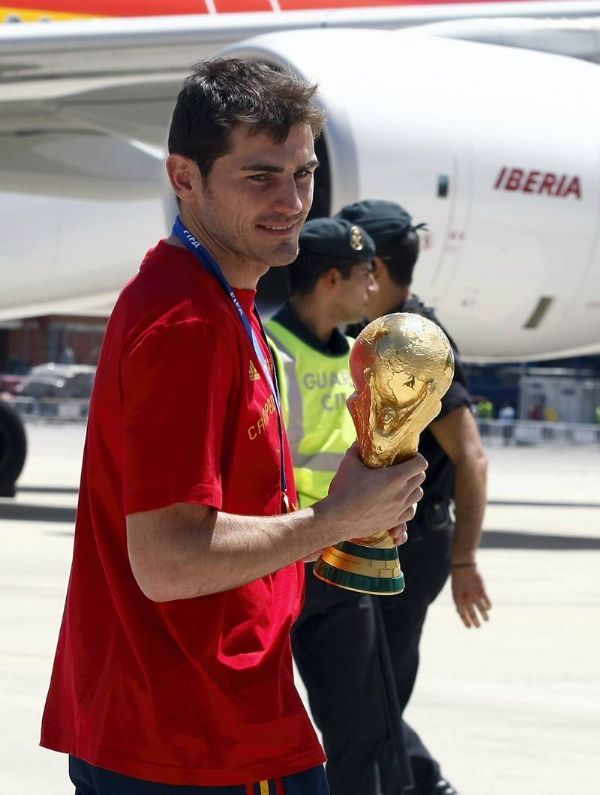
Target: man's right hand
{"x": 364, "y": 501}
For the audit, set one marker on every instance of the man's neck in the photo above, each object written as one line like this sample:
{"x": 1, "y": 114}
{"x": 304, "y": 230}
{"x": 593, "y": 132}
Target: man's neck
{"x": 314, "y": 317}
{"x": 241, "y": 273}
{"x": 389, "y": 298}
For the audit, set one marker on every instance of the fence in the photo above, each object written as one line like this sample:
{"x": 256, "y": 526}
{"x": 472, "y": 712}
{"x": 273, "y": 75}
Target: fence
{"x": 531, "y": 432}
{"x": 493, "y": 432}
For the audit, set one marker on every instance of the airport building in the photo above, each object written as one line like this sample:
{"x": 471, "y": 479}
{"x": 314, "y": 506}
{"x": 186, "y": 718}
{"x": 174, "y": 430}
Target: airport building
{"x": 52, "y": 338}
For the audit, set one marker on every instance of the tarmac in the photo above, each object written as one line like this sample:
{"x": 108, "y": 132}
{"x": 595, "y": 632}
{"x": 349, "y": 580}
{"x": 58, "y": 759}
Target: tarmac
{"x": 512, "y": 708}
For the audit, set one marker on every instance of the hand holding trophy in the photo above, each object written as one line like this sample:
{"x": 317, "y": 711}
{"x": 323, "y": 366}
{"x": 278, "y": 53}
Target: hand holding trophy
{"x": 401, "y": 365}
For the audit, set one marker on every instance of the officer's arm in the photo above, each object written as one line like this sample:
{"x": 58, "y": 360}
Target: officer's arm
{"x": 458, "y": 435}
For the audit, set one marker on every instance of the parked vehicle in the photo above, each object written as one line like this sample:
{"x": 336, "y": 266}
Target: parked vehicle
{"x": 9, "y": 383}
{"x": 58, "y": 381}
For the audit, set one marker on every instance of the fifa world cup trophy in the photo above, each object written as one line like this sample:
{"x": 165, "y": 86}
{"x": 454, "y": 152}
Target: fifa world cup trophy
{"x": 401, "y": 364}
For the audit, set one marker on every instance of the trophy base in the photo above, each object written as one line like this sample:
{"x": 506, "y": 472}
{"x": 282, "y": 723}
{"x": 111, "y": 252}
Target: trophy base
{"x": 360, "y": 568}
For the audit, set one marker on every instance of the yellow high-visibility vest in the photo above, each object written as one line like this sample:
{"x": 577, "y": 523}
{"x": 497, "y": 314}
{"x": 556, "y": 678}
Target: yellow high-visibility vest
{"x": 314, "y": 387}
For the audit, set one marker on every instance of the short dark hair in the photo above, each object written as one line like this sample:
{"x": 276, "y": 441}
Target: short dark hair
{"x": 223, "y": 93}
{"x": 308, "y": 267}
{"x": 400, "y": 256}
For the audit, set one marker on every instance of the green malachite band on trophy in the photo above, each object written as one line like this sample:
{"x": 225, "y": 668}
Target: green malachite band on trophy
{"x": 382, "y": 586}
{"x": 357, "y": 567}
{"x": 370, "y": 553}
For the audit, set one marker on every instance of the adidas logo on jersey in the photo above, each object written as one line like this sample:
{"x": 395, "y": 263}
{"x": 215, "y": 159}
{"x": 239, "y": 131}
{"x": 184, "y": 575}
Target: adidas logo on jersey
{"x": 253, "y": 372}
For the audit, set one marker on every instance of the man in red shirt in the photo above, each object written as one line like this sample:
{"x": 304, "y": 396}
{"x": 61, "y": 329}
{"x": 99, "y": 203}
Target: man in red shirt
{"x": 173, "y": 672}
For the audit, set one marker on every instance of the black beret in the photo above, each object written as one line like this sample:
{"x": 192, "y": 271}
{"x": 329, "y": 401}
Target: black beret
{"x": 337, "y": 238}
{"x": 381, "y": 219}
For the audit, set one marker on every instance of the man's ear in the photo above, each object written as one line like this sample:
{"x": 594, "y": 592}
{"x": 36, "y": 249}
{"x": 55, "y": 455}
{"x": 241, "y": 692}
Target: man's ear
{"x": 379, "y": 268}
{"x": 332, "y": 277}
{"x": 184, "y": 176}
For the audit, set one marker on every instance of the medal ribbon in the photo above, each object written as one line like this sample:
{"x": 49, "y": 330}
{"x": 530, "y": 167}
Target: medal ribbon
{"x": 212, "y": 266}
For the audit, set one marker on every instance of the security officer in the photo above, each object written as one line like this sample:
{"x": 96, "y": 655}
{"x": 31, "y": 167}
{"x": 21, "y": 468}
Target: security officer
{"x": 437, "y": 543}
{"x": 331, "y": 281}
{"x": 335, "y": 639}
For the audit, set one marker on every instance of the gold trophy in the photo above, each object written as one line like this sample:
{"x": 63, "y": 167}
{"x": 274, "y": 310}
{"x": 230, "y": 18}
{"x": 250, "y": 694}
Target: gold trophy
{"x": 401, "y": 364}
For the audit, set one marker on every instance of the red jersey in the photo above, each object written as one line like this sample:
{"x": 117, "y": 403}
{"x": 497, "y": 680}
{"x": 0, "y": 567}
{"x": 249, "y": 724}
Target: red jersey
{"x": 196, "y": 691}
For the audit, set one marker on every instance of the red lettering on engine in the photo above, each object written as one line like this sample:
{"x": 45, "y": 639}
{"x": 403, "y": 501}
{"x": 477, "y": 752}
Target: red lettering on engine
{"x": 514, "y": 179}
{"x": 548, "y": 184}
{"x": 540, "y": 182}
{"x": 574, "y": 188}
{"x": 530, "y": 182}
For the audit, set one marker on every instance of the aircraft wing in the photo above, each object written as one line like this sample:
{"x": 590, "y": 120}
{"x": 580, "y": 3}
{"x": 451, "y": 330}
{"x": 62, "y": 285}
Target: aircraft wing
{"x": 575, "y": 38}
{"x": 119, "y": 76}
{"x": 64, "y": 51}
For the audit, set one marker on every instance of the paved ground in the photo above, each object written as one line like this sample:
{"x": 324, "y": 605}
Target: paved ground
{"x": 511, "y": 708}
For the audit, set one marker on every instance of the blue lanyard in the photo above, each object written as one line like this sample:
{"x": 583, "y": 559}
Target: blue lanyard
{"x": 213, "y": 267}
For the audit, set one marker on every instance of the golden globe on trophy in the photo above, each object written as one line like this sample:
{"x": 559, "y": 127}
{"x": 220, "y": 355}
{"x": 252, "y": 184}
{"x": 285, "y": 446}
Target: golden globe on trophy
{"x": 401, "y": 365}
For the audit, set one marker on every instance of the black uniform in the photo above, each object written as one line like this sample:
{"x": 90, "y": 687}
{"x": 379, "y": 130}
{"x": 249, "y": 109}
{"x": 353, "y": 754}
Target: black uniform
{"x": 340, "y": 654}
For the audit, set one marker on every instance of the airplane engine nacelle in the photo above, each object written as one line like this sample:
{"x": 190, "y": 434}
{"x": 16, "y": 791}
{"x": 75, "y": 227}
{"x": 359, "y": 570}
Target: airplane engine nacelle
{"x": 495, "y": 148}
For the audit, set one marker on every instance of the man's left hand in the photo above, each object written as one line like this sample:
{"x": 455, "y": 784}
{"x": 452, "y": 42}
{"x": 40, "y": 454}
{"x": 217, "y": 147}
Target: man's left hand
{"x": 470, "y": 597}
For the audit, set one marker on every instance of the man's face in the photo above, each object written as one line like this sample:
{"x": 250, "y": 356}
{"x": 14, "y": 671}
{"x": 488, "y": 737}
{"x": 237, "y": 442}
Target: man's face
{"x": 257, "y": 196}
{"x": 355, "y": 292}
